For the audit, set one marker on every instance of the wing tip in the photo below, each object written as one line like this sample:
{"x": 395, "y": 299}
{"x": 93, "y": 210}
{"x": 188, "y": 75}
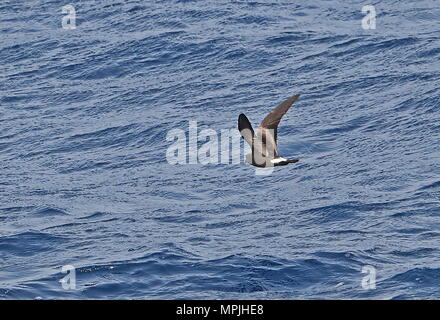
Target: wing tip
{"x": 241, "y": 118}
{"x": 296, "y": 96}
{"x": 244, "y": 123}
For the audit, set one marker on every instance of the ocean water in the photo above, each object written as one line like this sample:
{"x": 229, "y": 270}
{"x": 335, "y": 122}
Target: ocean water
{"x": 85, "y": 182}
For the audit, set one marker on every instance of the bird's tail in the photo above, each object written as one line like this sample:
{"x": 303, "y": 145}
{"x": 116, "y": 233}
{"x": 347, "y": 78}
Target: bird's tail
{"x": 292, "y": 160}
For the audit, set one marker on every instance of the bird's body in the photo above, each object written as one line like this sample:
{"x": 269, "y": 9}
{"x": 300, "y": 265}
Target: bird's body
{"x": 264, "y": 141}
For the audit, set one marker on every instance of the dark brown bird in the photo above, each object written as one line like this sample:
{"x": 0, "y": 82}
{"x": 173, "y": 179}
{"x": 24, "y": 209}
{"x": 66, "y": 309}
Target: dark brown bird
{"x": 264, "y": 142}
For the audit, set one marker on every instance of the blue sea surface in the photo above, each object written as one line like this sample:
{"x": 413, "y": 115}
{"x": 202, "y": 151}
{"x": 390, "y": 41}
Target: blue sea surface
{"x": 84, "y": 178}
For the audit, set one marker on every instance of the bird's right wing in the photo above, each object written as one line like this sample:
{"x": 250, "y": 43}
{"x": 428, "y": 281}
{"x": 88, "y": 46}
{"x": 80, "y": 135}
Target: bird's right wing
{"x": 272, "y": 120}
{"x": 268, "y": 129}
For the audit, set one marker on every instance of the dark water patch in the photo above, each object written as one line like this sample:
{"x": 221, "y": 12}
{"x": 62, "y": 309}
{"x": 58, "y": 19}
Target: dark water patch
{"x": 287, "y": 38}
{"x": 332, "y": 213}
{"x": 348, "y": 232}
{"x": 412, "y": 230}
{"x": 376, "y": 47}
{"x": 199, "y": 239}
{"x": 87, "y": 165}
{"x": 268, "y": 235}
{"x": 434, "y": 185}
{"x": 413, "y": 254}
{"x": 348, "y": 126}
{"x": 29, "y": 244}
{"x": 15, "y": 210}
{"x": 414, "y": 213}
{"x": 421, "y": 275}
{"x": 49, "y": 212}
{"x": 94, "y": 215}
{"x": 346, "y": 43}
{"x": 181, "y": 219}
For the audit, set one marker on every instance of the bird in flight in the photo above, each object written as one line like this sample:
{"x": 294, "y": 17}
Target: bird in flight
{"x": 264, "y": 142}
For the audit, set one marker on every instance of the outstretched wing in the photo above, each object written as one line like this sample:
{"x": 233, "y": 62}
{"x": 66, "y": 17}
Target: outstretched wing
{"x": 269, "y": 126}
{"x": 272, "y": 120}
{"x": 245, "y": 128}
{"x": 247, "y": 132}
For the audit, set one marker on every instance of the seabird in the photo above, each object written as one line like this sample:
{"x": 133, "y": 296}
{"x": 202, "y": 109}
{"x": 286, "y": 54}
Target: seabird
{"x": 264, "y": 142}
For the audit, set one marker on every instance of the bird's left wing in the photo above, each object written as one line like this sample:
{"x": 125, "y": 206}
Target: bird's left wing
{"x": 245, "y": 128}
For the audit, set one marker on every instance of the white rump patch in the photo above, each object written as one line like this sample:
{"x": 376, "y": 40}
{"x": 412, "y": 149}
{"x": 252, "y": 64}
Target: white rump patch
{"x": 278, "y": 160}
